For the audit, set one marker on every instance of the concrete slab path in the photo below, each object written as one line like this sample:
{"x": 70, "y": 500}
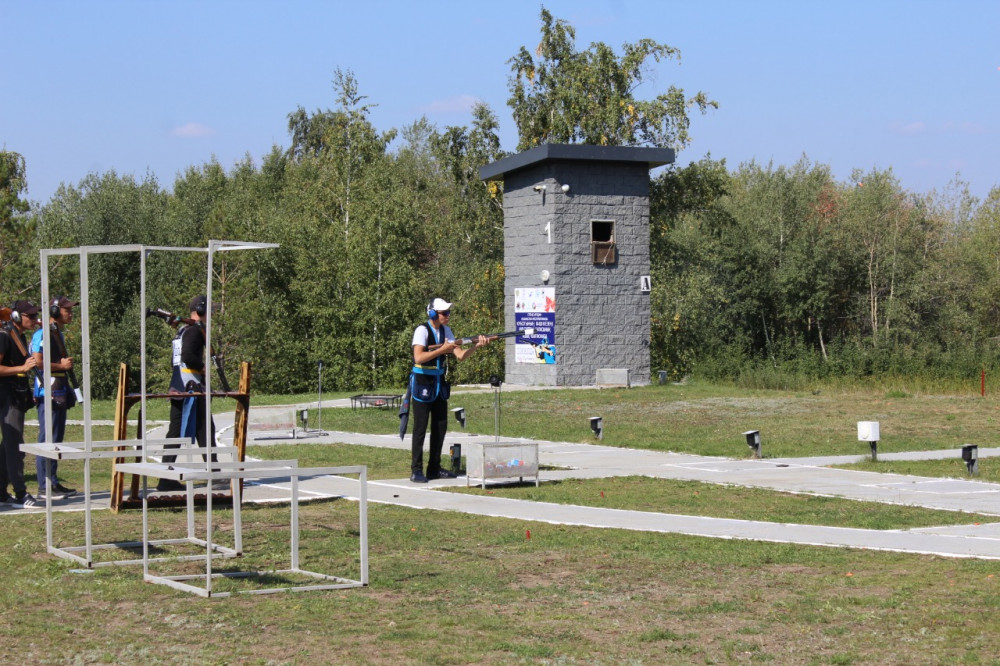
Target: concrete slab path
{"x": 588, "y": 461}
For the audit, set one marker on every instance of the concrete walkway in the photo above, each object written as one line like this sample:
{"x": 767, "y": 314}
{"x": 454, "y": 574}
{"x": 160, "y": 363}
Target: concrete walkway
{"x": 588, "y": 461}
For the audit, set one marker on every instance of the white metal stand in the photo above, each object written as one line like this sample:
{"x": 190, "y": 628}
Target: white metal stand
{"x": 235, "y": 472}
{"x": 104, "y": 450}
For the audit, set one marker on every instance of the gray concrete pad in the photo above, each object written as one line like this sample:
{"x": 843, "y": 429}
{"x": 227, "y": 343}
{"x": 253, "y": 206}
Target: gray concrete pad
{"x": 569, "y": 460}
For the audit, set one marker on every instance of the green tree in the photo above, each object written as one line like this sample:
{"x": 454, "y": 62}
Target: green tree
{"x": 106, "y": 209}
{"x": 569, "y": 96}
{"x": 347, "y": 207}
{"x": 890, "y": 236}
{"x": 688, "y": 301}
{"x": 464, "y": 239}
{"x": 15, "y": 228}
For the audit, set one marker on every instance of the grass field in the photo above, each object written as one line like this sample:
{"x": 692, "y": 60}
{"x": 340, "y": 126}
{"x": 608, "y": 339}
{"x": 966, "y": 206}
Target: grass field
{"x": 448, "y": 588}
{"x": 710, "y": 419}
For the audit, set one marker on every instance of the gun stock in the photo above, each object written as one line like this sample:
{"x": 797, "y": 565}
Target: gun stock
{"x": 169, "y": 317}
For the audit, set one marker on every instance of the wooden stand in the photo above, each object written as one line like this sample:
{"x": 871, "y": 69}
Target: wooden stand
{"x": 124, "y": 402}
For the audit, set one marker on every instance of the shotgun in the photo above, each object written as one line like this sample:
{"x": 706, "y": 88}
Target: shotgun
{"x": 509, "y": 334}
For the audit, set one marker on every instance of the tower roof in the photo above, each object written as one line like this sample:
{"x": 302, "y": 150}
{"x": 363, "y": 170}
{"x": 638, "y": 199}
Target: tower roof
{"x": 548, "y": 152}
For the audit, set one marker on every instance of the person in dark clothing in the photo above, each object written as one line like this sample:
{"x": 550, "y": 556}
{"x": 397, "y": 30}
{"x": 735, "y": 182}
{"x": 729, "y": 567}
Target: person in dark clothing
{"x": 63, "y": 397}
{"x": 15, "y": 399}
{"x": 187, "y": 414}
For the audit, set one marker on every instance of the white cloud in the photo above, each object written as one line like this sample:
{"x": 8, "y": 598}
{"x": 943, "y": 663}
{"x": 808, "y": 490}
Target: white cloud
{"x": 457, "y": 104}
{"x": 192, "y": 131}
{"x": 917, "y": 127}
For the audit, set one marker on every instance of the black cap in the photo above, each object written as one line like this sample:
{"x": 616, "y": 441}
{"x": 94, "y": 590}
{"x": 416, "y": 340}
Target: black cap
{"x": 199, "y": 304}
{"x": 26, "y": 308}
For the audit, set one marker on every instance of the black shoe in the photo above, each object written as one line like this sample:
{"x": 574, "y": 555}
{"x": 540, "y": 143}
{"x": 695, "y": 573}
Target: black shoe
{"x": 25, "y": 501}
{"x": 417, "y": 477}
{"x": 63, "y": 490}
{"x": 166, "y": 485}
{"x": 440, "y": 474}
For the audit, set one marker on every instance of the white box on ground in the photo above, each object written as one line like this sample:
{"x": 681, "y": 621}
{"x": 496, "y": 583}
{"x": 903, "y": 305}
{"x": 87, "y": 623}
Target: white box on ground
{"x": 501, "y": 460}
{"x": 276, "y": 423}
{"x": 868, "y": 431}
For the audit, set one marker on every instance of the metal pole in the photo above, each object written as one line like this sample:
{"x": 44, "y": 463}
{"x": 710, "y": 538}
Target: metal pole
{"x": 88, "y": 439}
{"x": 319, "y": 396}
{"x": 496, "y": 413}
{"x": 46, "y": 379}
{"x": 295, "y": 521}
{"x": 363, "y": 509}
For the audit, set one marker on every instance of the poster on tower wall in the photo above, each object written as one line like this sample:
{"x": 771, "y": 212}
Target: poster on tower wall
{"x": 535, "y": 308}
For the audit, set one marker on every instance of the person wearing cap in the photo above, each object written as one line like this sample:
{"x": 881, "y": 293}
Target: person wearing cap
{"x": 187, "y": 414}
{"x": 15, "y": 399}
{"x": 63, "y": 397}
{"x": 429, "y": 388}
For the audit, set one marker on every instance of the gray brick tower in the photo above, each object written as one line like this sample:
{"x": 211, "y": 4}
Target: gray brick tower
{"x": 576, "y": 255}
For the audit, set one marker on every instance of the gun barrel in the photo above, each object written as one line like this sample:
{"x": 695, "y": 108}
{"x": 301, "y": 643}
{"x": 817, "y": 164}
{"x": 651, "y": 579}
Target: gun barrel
{"x": 507, "y": 334}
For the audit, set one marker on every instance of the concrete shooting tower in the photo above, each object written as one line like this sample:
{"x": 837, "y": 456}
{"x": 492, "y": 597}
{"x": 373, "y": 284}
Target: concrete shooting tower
{"x": 576, "y": 255}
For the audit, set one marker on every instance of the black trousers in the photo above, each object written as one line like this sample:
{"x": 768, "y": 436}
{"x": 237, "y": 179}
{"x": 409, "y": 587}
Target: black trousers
{"x": 437, "y": 414}
{"x": 11, "y": 458}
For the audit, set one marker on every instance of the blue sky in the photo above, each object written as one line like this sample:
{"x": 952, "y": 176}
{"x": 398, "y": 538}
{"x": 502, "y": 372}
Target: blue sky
{"x": 156, "y": 86}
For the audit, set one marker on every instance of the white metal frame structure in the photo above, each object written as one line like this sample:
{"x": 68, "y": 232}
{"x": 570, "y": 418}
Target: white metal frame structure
{"x": 187, "y": 470}
{"x": 107, "y": 450}
{"x": 89, "y": 449}
{"x": 233, "y": 472}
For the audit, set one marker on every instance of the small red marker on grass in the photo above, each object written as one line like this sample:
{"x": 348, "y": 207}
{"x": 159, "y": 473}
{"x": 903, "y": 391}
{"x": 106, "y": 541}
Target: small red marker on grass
{"x": 527, "y": 535}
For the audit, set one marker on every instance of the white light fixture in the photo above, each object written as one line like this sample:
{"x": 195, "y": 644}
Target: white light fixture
{"x": 564, "y": 188}
{"x": 868, "y": 432}
{"x": 545, "y": 276}
{"x": 539, "y": 188}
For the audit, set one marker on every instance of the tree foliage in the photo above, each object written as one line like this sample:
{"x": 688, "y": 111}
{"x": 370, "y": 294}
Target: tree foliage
{"x": 13, "y": 227}
{"x": 562, "y": 95}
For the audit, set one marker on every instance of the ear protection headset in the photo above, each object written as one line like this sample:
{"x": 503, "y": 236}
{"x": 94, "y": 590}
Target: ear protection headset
{"x": 431, "y": 312}
{"x": 15, "y": 316}
{"x": 54, "y": 309}
{"x": 200, "y": 307}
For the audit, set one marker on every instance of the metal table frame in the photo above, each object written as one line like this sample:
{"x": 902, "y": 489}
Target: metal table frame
{"x": 233, "y": 472}
{"x": 106, "y": 450}
{"x": 89, "y": 450}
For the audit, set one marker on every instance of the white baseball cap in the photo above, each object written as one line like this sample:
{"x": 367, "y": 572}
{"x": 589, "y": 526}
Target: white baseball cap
{"x": 439, "y": 305}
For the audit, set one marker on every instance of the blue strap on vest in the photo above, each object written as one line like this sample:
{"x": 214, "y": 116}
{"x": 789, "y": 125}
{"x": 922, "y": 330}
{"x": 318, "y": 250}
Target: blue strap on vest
{"x": 428, "y": 392}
